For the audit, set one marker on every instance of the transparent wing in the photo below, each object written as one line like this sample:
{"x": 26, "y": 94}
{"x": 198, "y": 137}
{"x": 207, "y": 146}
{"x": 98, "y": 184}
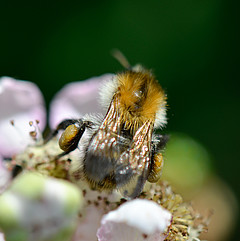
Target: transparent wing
{"x": 105, "y": 149}
{"x": 133, "y": 165}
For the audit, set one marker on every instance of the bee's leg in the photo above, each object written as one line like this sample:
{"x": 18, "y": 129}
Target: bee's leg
{"x": 73, "y": 131}
{"x": 158, "y": 143}
{"x": 61, "y": 126}
{"x": 155, "y": 168}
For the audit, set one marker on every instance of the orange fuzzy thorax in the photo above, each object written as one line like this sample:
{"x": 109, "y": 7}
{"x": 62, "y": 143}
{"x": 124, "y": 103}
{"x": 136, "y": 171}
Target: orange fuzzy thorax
{"x": 139, "y": 98}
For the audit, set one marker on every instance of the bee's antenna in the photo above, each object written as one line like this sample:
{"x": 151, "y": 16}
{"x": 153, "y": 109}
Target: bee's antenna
{"x": 118, "y": 55}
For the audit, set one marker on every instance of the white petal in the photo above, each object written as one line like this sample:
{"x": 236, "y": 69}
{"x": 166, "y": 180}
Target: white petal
{"x": 21, "y": 102}
{"x": 135, "y": 220}
{"x": 2, "y": 237}
{"x": 77, "y": 99}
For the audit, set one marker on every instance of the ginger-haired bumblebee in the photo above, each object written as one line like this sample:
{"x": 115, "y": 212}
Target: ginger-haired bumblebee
{"x": 120, "y": 150}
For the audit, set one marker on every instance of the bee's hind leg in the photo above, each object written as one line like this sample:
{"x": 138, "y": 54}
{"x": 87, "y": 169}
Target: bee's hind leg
{"x": 61, "y": 126}
{"x": 158, "y": 144}
{"x": 73, "y": 130}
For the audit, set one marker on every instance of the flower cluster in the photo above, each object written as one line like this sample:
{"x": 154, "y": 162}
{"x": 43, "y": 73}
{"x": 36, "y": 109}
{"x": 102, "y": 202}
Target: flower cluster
{"x": 43, "y": 203}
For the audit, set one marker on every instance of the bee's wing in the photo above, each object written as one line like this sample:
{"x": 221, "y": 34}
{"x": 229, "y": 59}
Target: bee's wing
{"x": 104, "y": 150}
{"x": 133, "y": 164}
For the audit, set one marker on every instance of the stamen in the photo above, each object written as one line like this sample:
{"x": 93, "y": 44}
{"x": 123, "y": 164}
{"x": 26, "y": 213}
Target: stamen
{"x": 40, "y": 136}
{"x": 33, "y": 134}
{"x": 36, "y": 134}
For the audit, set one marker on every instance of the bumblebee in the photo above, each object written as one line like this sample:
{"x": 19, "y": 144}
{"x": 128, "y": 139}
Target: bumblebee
{"x": 120, "y": 150}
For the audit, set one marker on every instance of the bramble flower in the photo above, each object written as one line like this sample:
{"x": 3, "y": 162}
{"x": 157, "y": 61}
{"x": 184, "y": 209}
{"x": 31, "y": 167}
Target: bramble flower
{"x": 158, "y": 214}
{"x": 21, "y": 102}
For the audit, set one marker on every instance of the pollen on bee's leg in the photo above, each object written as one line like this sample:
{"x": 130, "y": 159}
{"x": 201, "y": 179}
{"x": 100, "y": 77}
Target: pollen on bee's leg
{"x": 156, "y": 169}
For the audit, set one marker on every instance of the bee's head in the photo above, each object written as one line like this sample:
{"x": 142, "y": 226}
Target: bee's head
{"x": 140, "y": 96}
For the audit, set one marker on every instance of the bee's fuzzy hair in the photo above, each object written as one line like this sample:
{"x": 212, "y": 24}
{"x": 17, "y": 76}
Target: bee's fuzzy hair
{"x": 161, "y": 116}
{"x": 96, "y": 119}
{"x": 110, "y": 87}
{"x": 107, "y": 90}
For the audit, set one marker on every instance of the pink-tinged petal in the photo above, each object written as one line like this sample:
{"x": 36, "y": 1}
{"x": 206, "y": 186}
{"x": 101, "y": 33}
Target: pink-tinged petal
{"x": 96, "y": 205}
{"x": 135, "y": 220}
{"x": 5, "y": 177}
{"x": 20, "y": 102}
{"x": 77, "y": 99}
{"x": 88, "y": 226}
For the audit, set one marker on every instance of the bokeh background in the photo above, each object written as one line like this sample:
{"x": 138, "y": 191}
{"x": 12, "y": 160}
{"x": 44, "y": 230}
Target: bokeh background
{"x": 192, "y": 47}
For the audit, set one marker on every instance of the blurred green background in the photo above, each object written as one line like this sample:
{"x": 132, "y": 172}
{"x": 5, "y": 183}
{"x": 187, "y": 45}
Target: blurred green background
{"x": 192, "y": 47}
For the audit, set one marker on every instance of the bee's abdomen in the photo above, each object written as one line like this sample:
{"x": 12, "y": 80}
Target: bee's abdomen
{"x": 97, "y": 167}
